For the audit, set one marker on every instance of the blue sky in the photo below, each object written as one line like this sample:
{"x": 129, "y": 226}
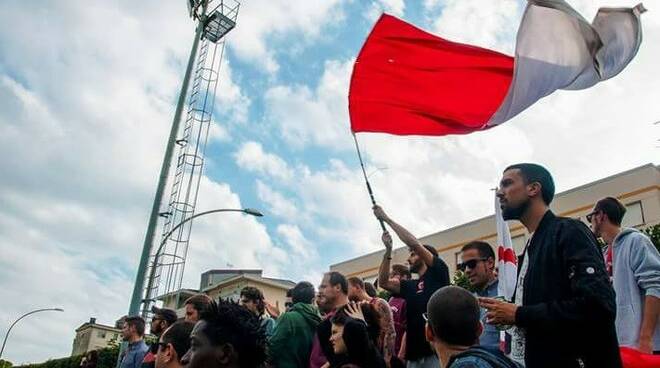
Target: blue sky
{"x": 87, "y": 94}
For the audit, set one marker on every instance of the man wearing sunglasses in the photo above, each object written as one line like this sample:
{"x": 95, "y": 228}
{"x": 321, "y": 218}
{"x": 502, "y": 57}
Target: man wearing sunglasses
{"x": 478, "y": 263}
{"x": 633, "y": 265}
{"x": 173, "y": 345}
{"x": 162, "y": 319}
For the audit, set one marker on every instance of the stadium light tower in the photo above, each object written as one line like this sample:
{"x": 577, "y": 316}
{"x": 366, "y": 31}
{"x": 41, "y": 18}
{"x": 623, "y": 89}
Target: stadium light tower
{"x": 214, "y": 20}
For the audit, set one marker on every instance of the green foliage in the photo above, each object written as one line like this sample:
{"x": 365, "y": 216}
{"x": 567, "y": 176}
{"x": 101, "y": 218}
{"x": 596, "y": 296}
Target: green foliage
{"x": 384, "y": 294}
{"x": 461, "y": 279}
{"x": 5, "y": 364}
{"x": 107, "y": 359}
{"x": 653, "y": 232}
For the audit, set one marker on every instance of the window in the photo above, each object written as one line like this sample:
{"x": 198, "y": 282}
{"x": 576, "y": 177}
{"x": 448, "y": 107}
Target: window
{"x": 634, "y": 215}
{"x": 100, "y": 334}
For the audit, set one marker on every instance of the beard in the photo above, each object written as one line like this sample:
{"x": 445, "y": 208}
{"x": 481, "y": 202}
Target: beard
{"x": 515, "y": 213}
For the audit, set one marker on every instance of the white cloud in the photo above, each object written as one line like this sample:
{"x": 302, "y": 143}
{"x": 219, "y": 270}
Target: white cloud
{"x": 229, "y": 238}
{"x": 297, "y": 242}
{"x": 490, "y": 24}
{"x": 263, "y": 21}
{"x": 278, "y": 204}
{"x": 318, "y": 117}
{"x": 251, "y": 156}
{"x": 393, "y": 7}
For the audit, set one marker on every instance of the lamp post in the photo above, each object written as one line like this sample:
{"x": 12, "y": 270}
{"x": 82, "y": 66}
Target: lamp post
{"x": 150, "y": 280}
{"x": 20, "y": 318}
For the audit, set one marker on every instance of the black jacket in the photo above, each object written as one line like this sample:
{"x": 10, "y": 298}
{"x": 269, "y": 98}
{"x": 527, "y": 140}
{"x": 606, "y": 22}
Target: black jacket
{"x": 568, "y": 306}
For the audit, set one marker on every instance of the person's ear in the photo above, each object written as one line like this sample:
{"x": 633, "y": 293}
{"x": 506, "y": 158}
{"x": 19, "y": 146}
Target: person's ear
{"x": 534, "y": 189}
{"x": 225, "y": 354}
{"x": 428, "y": 333}
{"x": 480, "y": 328}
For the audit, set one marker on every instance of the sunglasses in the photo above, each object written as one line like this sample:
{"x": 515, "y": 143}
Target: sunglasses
{"x": 425, "y": 316}
{"x": 471, "y": 264}
{"x": 591, "y": 215}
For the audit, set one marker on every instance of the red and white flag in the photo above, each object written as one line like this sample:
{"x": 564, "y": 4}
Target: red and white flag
{"x": 507, "y": 261}
{"x": 407, "y": 81}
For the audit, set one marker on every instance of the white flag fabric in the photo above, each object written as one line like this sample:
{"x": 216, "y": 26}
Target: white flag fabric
{"x": 556, "y": 48}
{"x": 506, "y": 256}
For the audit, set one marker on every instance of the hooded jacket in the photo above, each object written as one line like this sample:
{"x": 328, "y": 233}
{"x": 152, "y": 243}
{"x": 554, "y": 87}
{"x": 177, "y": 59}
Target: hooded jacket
{"x": 481, "y": 357}
{"x": 636, "y": 273}
{"x": 291, "y": 342}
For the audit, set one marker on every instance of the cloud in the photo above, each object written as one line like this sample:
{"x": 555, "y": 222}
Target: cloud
{"x": 376, "y": 8}
{"x": 489, "y": 24}
{"x": 318, "y": 117}
{"x": 251, "y": 156}
{"x": 261, "y": 22}
{"x": 277, "y": 203}
{"x": 296, "y": 241}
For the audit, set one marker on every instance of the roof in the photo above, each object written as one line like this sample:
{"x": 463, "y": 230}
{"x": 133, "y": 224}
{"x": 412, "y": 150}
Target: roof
{"x": 97, "y": 325}
{"x": 180, "y": 291}
{"x": 280, "y": 283}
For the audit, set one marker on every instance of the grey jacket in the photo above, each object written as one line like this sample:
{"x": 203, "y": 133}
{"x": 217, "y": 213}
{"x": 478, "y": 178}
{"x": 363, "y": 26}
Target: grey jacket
{"x": 636, "y": 273}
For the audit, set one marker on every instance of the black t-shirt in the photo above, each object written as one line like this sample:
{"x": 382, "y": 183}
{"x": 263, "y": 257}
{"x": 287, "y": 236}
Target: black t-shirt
{"x": 417, "y": 294}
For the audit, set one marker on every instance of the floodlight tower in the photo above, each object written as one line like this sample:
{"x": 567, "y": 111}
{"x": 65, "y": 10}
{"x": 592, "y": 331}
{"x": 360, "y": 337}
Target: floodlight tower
{"x": 214, "y": 19}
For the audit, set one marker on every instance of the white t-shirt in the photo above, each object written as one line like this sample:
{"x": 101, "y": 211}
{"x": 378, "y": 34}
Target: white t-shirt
{"x": 518, "y": 333}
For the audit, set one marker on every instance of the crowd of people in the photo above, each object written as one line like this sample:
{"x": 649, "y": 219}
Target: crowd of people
{"x": 575, "y": 304}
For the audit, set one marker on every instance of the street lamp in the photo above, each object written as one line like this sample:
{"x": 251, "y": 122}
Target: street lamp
{"x": 20, "y": 318}
{"x": 150, "y": 280}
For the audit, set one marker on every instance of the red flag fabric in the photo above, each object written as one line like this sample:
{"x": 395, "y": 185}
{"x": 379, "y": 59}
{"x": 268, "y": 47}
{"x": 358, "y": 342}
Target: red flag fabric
{"x": 632, "y": 358}
{"x": 407, "y": 81}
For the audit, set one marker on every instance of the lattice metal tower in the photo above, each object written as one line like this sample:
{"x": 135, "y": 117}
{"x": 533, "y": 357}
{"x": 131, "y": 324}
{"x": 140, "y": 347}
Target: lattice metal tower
{"x": 167, "y": 258}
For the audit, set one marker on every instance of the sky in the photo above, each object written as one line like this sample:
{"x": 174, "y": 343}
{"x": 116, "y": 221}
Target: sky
{"x": 87, "y": 95}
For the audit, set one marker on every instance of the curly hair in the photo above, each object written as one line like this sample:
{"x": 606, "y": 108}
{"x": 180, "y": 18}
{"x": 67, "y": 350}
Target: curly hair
{"x": 253, "y": 294}
{"x": 229, "y": 323}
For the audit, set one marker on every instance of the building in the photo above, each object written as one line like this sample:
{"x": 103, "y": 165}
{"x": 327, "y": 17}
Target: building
{"x": 227, "y": 284}
{"x": 93, "y": 336}
{"x": 638, "y": 189}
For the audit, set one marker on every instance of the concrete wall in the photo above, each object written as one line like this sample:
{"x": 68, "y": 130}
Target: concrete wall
{"x": 94, "y": 337}
{"x": 639, "y": 189}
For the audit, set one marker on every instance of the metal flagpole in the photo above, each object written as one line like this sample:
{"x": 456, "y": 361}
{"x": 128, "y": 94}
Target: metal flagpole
{"x": 366, "y": 179}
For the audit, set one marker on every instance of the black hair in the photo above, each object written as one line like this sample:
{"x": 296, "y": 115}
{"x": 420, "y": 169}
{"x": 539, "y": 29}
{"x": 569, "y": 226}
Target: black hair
{"x": 371, "y": 317}
{"x": 303, "y": 292}
{"x": 356, "y": 281}
{"x": 137, "y": 322}
{"x": 614, "y": 209}
{"x": 199, "y": 302}
{"x": 534, "y": 173}
{"x": 370, "y": 289}
{"x": 453, "y": 314}
{"x": 401, "y": 269}
{"x": 255, "y": 295}
{"x": 335, "y": 278}
{"x": 484, "y": 249}
{"x": 229, "y": 323}
{"x": 179, "y": 336}
{"x": 431, "y": 249}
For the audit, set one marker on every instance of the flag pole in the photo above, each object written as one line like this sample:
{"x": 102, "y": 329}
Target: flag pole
{"x": 366, "y": 179}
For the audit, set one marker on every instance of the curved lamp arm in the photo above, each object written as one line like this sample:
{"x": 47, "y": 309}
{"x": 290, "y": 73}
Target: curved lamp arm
{"x": 20, "y": 318}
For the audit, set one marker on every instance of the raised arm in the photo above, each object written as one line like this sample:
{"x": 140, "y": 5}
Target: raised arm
{"x": 384, "y": 281}
{"x": 406, "y": 237}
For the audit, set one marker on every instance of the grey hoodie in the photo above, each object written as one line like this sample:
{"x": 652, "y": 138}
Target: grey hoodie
{"x": 636, "y": 273}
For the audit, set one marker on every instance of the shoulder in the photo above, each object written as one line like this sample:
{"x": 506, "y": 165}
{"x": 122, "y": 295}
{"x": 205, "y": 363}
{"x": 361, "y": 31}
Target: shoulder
{"x": 469, "y": 362}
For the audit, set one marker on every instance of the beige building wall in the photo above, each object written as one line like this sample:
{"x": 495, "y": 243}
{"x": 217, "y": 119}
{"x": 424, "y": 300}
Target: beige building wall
{"x": 274, "y": 293}
{"x": 638, "y": 189}
{"x": 93, "y": 336}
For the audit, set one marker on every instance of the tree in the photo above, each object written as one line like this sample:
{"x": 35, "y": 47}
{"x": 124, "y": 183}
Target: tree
{"x": 5, "y": 364}
{"x": 653, "y": 232}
